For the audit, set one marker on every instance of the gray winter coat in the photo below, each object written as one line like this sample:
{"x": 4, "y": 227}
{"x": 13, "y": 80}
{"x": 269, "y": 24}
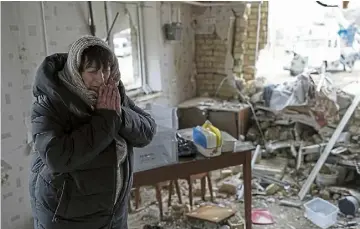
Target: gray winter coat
{"x": 73, "y": 171}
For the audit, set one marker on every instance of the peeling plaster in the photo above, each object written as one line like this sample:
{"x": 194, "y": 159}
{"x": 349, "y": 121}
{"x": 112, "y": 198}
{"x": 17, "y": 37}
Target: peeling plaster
{"x": 213, "y": 20}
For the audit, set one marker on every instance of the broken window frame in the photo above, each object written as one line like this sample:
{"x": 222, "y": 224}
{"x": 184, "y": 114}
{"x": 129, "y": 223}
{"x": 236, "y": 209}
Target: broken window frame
{"x": 141, "y": 65}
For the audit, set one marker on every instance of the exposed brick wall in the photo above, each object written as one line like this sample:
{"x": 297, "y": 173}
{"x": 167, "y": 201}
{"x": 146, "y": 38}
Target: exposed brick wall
{"x": 211, "y": 50}
{"x": 210, "y": 63}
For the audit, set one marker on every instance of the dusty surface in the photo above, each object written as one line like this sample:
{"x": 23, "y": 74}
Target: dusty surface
{"x": 285, "y": 217}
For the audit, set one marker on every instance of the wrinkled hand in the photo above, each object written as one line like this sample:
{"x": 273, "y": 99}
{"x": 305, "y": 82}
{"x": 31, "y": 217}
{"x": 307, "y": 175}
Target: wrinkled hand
{"x": 109, "y": 98}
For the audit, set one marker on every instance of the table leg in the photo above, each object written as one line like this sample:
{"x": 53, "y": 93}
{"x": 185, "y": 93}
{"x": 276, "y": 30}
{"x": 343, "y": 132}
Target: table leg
{"x": 210, "y": 186}
{"x": 247, "y": 189}
{"x": 159, "y": 199}
{"x": 178, "y": 193}
{"x": 137, "y": 197}
{"x": 203, "y": 188}
{"x": 190, "y": 192}
{"x": 170, "y": 192}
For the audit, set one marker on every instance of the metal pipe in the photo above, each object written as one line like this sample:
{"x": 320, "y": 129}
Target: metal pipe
{"x": 170, "y": 12}
{"x": 109, "y": 33}
{"x": 91, "y": 22}
{"x": 141, "y": 49}
{"x": 44, "y": 28}
{"x": 178, "y": 13}
{"x": 258, "y": 32}
{"x": 106, "y": 17}
{"x": 254, "y": 157}
{"x": 110, "y": 38}
{"x": 325, "y": 5}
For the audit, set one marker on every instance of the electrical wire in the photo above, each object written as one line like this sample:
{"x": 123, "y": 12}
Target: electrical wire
{"x": 325, "y": 5}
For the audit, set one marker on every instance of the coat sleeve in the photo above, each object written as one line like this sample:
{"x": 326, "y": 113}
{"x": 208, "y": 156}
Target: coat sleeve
{"x": 64, "y": 151}
{"x": 137, "y": 127}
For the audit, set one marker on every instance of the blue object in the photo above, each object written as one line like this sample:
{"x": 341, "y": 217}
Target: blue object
{"x": 199, "y": 138}
{"x": 348, "y": 34}
{"x": 342, "y": 32}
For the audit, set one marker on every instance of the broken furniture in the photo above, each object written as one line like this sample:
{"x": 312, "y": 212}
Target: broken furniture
{"x": 137, "y": 198}
{"x": 329, "y": 147}
{"x": 158, "y": 188}
{"x": 203, "y": 177}
{"x": 190, "y": 180}
{"x": 210, "y": 215}
{"x": 171, "y": 188}
{"x": 200, "y": 164}
{"x": 230, "y": 117}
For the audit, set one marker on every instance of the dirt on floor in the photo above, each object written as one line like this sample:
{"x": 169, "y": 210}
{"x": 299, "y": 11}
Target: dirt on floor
{"x": 284, "y": 217}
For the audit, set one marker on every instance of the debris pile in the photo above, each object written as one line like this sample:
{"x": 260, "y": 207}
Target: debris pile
{"x": 302, "y": 116}
{"x": 293, "y": 126}
{"x": 297, "y": 124}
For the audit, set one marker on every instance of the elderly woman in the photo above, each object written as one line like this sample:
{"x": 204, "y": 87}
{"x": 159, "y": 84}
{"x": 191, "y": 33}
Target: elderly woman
{"x": 84, "y": 128}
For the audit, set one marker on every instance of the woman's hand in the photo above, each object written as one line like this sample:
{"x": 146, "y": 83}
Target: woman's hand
{"x": 109, "y": 98}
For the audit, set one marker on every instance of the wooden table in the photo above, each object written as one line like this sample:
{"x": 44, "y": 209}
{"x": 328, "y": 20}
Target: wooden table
{"x": 184, "y": 169}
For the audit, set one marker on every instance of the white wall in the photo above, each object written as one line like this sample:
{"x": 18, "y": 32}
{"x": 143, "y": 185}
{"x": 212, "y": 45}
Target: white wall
{"x": 170, "y": 69}
{"x": 22, "y": 50}
{"x": 170, "y": 65}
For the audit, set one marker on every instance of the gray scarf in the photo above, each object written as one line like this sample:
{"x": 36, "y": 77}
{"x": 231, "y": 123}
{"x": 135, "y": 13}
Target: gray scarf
{"x": 72, "y": 79}
{"x": 71, "y": 75}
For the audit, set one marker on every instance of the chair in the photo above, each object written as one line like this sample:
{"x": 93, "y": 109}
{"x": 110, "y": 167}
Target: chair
{"x": 190, "y": 180}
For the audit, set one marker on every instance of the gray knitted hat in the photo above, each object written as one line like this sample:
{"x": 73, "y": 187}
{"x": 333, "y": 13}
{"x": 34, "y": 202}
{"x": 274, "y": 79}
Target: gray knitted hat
{"x": 71, "y": 75}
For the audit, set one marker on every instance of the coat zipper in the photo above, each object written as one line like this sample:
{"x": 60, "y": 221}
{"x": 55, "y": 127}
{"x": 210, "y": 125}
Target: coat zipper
{"x": 54, "y": 219}
{"x": 125, "y": 185}
{"x": 113, "y": 199}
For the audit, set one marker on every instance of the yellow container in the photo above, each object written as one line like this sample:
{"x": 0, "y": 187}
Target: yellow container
{"x": 209, "y": 126}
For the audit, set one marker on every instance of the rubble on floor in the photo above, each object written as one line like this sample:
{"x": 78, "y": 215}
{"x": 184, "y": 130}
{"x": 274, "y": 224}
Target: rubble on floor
{"x": 297, "y": 123}
{"x": 300, "y": 118}
{"x": 293, "y": 133}
{"x": 280, "y": 201}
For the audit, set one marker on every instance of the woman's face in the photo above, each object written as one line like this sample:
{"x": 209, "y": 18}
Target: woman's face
{"x": 94, "y": 77}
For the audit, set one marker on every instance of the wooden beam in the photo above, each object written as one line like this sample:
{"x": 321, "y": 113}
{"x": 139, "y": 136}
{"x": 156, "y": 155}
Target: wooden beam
{"x": 305, "y": 188}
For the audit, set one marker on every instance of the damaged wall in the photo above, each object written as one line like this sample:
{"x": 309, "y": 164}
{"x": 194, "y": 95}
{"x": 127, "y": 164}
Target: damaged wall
{"x": 212, "y": 25}
{"x": 24, "y": 46}
{"x": 170, "y": 64}
{"x": 178, "y": 63}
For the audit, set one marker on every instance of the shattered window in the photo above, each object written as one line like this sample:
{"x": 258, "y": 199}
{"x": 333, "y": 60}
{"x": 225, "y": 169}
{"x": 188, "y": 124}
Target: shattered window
{"x": 126, "y": 44}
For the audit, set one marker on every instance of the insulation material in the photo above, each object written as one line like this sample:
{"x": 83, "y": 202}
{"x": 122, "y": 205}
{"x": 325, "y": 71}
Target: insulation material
{"x": 301, "y": 92}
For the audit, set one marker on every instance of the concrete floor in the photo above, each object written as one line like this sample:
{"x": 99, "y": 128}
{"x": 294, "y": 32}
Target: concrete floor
{"x": 285, "y": 217}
